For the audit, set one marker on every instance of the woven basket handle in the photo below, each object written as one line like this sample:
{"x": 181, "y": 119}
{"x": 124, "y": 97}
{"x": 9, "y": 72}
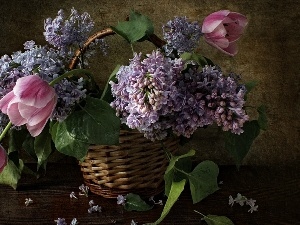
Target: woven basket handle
{"x": 104, "y": 33}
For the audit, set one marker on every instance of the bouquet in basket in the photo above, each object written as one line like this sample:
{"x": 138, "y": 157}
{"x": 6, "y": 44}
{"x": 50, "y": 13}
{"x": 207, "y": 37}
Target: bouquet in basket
{"x": 51, "y": 102}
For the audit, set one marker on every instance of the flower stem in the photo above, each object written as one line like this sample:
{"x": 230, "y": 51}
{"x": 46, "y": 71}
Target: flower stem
{"x": 5, "y": 130}
{"x": 69, "y": 74}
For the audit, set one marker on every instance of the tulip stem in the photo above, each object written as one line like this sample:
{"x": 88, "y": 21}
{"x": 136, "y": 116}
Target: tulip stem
{"x": 5, "y": 130}
{"x": 70, "y": 74}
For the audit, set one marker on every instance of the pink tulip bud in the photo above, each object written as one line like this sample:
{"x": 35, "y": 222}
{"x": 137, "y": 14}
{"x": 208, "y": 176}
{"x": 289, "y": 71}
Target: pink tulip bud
{"x": 3, "y": 158}
{"x": 31, "y": 102}
{"x": 222, "y": 29}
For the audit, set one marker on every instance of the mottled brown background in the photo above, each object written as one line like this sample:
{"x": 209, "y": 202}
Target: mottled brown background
{"x": 268, "y": 53}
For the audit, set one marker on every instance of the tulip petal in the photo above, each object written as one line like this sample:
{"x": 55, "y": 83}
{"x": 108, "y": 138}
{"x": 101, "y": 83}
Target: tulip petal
{"x": 36, "y": 129}
{"x": 213, "y": 20}
{"x": 4, "y": 102}
{"x": 240, "y": 18}
{"x": 231, "y": 49}
{"x": 36, "y": 115}
{"x": 221, "y": 42}
{"x": 34, "y": 91}
{"x": 14, "y": 114}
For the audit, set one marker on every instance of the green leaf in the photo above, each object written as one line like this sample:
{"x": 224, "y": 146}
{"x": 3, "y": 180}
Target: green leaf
{"x": 42, "y": 147}
{"x": 171, "y": 174}
{"x": 194, "y": 57}
{"x": 135, "y": 203}
{"x": 28, "y": 146}
{"x": 262, "y": 119}
{"x": 66, "y": 143}
{"x": 137, "y": 28}
{"x": 203, "y": 180}
{"x": 106, "y": 94}
{"x": 16, "y": 139}
{"x": 217, "y": 220}
{"x": 239, "y": 145}
{"x": 250, "y": 85}
{"x": 96, "y": 123}
{"x": 11, "y": 174}
{"x": 175, "y": 191}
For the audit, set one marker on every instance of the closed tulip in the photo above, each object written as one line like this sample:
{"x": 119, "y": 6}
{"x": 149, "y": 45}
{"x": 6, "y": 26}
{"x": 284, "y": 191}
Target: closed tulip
{"x": 223, "y": 28}
{"x": 31, "y": 102}
{"x": 3, "y": 158}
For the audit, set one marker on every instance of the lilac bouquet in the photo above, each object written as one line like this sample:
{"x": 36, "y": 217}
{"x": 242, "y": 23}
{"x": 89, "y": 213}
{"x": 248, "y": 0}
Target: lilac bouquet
{"x": 49, "y": 99}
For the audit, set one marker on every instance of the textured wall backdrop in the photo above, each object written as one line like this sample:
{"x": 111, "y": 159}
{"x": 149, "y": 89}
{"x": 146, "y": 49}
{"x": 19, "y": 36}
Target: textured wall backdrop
{"x": 268, "y": 53}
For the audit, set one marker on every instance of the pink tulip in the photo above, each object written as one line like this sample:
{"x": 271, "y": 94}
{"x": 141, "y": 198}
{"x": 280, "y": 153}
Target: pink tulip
{"x": 222, "y": 29}
{"x": 31, "y": 102}
{"x": 3, "y": 158}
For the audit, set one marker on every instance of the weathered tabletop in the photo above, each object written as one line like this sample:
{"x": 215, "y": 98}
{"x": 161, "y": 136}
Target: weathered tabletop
{"x": 276, "y": 191}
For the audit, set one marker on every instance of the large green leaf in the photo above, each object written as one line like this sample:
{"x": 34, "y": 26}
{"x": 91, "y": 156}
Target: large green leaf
{"x": 175, "y": 191}
{"x": 136, "y": 28}
{"x": 239, "y": 145}
{"x": 66, "y": 143}
{"x": 96, "y": 123}
{"x": 172, "y": 173}
{"x": 217, "y": 220}
{"x": 203, "y": 180}
{"x": 11, "y": 174}
{"x": 42, "y": 147}
{"x": 135, "y": 203}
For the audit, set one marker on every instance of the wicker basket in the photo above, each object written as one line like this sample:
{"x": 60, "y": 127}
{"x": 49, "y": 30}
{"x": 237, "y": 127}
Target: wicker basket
{"x": 137, "y": 165}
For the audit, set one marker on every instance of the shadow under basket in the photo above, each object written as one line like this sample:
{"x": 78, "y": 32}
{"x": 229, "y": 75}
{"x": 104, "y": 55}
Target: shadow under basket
{"x": 137, "y": 166}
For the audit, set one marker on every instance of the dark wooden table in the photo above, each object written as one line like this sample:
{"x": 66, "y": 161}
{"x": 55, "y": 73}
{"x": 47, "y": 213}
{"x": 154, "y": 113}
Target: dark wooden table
{"x": 277, "y": 192}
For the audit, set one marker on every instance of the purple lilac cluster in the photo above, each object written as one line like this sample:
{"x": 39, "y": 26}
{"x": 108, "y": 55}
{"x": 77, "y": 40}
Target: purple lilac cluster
{"x": 206, "y": 97}
{"x": 69, "y": 33}
{"x": 47, "y": 63}
{"x": 181, "y": 35}
{"x": 146, "y": 93}
{"x": 155, "y": 95}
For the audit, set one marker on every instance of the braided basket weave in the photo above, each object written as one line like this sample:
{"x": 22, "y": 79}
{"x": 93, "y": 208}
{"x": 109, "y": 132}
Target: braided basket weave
{"x": 137, "y": 165}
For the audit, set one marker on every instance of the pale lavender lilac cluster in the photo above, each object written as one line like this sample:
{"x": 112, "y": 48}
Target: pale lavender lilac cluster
{"x": 157, "y": 94}
{"x": 181, "y": 35}
{"x": 146, "y": 93}
{"x": 68, "y": 33}
{"x": 206, "y": 96}
{"x": 47, "y": 63}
